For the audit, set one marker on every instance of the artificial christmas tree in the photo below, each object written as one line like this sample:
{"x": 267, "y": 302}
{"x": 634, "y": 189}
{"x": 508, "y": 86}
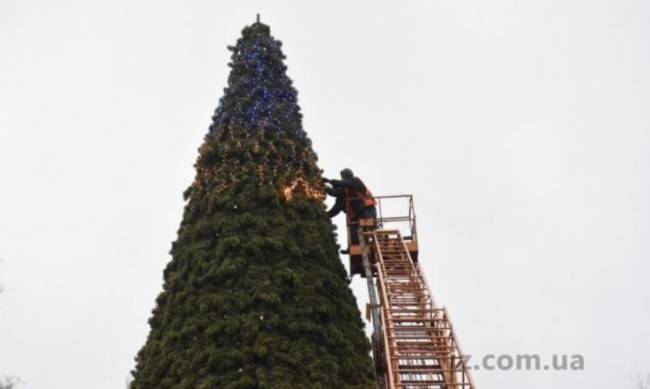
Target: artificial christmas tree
{"x": 255, "y": 295}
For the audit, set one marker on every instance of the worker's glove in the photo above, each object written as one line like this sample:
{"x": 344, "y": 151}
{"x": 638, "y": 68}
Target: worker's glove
{"x": 326, "y": 180}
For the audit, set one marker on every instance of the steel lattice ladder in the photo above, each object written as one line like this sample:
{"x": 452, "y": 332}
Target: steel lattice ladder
{"x": 414, "y": 344}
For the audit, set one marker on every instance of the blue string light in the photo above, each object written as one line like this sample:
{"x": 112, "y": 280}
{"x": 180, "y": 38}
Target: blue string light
{"x": 259, "y": 94}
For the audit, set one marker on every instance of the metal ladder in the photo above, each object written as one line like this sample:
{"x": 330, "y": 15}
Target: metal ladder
{"x": 414, "y": 344}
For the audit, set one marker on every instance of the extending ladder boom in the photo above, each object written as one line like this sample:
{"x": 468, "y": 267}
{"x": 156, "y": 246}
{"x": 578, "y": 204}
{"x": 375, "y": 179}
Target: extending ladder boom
{"x": 414, "y": 344}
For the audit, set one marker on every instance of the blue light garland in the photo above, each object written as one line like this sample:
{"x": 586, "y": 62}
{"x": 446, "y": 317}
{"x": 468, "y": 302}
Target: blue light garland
{"x": 259, "y": 92}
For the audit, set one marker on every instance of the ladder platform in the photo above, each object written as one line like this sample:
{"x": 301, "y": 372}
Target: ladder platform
{"x": 413, "y": 342}
{"x": 419, "y": 344}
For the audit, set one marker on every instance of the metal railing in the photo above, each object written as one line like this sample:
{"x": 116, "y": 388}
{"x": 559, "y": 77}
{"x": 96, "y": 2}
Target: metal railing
{"x": 391, "y": 210}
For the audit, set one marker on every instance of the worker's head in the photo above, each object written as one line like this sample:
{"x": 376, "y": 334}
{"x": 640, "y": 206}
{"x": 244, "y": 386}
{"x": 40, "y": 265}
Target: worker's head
{"x": 346, "y": 174}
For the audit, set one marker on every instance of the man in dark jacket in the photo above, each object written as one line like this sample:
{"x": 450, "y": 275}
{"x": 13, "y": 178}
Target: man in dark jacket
{"x": 352, "y": 197}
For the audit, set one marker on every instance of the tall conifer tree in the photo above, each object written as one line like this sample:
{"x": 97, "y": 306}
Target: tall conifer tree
{"x": 255, "y": 295}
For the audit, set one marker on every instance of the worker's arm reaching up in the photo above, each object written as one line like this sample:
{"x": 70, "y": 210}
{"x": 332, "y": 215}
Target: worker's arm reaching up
{"x": 348, "y": 189}
{"x": 350, "y": 183}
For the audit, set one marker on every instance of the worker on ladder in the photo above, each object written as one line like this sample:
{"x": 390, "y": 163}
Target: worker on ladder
{"x": 353, "y": 198}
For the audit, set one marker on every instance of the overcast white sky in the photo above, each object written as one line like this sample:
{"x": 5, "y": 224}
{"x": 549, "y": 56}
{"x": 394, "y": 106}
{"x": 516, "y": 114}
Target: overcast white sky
{"x": 522, "y": 129}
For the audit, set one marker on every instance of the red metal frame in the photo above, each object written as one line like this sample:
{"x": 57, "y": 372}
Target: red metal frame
{"x": 382, "y": 220}
{"x": 412, "y": 335}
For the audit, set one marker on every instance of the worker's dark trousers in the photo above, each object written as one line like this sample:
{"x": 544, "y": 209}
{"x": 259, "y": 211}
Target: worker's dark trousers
{"x": 366, "y": 213}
